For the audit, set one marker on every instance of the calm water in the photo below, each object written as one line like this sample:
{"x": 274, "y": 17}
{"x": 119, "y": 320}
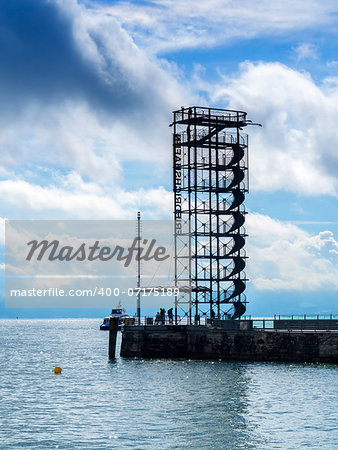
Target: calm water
{"x": 160, "y": 404}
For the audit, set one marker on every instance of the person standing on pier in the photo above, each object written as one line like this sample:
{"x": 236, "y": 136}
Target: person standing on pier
{"x": 157, "y": 318}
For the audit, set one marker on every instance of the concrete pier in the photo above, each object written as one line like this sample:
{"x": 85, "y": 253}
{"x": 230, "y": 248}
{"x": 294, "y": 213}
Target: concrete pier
{"x": 202, "y": 342}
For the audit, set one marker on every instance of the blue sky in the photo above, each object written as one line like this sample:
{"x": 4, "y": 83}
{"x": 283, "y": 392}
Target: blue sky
{"x": 87, "y": 89}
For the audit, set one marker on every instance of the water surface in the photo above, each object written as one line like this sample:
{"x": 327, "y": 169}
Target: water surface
{"x": 152, "y": 404}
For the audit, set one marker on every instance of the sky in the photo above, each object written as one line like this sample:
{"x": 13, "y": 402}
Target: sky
{"x": 87, "y": 90}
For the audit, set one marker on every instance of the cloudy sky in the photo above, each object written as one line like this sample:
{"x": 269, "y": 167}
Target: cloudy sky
{"x": 87, "y": 89}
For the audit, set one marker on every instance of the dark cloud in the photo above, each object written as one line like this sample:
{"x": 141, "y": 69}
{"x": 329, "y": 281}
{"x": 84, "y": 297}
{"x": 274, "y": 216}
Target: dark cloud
{"x": 41, "y": 61}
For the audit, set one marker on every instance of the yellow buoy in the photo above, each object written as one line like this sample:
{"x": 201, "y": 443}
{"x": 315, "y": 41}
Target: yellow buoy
{"x": 57, "y": 369}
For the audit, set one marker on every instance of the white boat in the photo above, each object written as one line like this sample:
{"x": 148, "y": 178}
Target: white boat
{"x": 119, "y": 312}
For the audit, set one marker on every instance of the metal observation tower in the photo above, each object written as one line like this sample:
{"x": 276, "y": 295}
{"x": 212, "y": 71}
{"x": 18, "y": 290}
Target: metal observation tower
{"x": 210, "y": 178}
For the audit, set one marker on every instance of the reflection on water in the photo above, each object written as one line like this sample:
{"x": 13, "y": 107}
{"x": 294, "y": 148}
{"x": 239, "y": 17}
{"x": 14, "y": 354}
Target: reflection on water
{"x": 136, "y": 403}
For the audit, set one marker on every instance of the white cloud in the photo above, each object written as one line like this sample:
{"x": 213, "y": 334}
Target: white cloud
{"x": 296, "y": 148}
{"x": 72, "y": 137}
{"x": 306, "y": 51}
{"x": 112, "y": 104}
{"x": 282, "y": 256}
{"x": 72, "y": 198}
{"x": 2, "y": 231}
{"x": 101, "y": 104}
{"x": 164, "y": 25}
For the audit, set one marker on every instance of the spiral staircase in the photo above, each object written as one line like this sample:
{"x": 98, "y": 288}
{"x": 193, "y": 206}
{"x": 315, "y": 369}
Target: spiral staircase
{"x": 210, "y": 182}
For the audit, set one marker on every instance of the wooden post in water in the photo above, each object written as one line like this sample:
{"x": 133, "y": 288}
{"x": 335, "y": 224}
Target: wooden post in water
{"x": 113, "y": 326}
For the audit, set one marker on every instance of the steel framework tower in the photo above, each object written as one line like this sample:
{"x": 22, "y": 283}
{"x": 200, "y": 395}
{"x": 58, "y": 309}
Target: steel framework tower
{"x": 210, "y": 180}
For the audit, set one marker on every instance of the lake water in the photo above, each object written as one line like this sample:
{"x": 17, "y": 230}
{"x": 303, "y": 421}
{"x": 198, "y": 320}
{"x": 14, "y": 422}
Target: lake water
{"x": 153, "y": 404}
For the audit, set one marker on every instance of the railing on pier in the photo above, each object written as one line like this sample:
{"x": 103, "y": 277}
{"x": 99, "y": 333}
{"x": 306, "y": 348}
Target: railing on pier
{"x": 278, "y": 322}
{"x": 306, "y": 317}
{"x": 295, "y": 322}
{"x": 151, "y": 321}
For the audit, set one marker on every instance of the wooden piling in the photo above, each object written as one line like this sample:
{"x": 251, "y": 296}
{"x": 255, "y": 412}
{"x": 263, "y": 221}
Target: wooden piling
{"x": 113, "y": 326}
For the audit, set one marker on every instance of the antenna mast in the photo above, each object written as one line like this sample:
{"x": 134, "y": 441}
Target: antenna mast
{"x": 139, "y": 266}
